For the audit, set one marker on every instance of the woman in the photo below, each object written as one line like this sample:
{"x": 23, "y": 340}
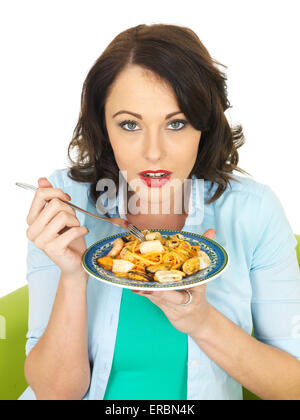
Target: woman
{"x": 155, "y": 100}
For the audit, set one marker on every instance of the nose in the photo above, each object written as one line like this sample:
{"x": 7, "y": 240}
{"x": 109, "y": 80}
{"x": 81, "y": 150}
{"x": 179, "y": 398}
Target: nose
{"x": 154, "y": 148}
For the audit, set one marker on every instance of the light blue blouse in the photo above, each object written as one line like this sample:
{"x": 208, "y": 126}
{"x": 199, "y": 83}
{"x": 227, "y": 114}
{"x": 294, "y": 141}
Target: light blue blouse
{"x": 260, "y": 288}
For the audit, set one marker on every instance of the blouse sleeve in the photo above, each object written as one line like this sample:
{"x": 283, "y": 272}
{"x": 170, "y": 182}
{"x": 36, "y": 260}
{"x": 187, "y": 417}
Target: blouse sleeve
{"x": 42, "y": 277}
{"x": 275, "y": 278}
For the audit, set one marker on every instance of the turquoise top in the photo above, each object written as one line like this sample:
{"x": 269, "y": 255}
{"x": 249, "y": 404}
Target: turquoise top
{"x": 150, "y": 357}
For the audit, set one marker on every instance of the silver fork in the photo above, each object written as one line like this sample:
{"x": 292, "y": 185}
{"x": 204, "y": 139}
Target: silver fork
{"x": 113, "y": 220}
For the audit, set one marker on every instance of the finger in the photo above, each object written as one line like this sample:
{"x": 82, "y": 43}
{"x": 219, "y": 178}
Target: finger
{"x": 170, "y": 297}
{"x": 210, "y": 233}
{"x": 42, "y": 196}
{"x": 61, "y": 243}
{"x": 46, "y": 215}
{"x": 51, "y": 231}
{"x": 167, "y": 307}
{"x": 44, "y": 183}
{"x": 172, "y": 300}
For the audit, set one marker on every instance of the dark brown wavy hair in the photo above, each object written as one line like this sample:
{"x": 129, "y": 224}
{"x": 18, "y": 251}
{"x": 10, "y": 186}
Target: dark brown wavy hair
{"x": 175, "y": 54}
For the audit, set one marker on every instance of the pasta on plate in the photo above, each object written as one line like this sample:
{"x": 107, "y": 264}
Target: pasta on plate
{"x": 162, "y": 259}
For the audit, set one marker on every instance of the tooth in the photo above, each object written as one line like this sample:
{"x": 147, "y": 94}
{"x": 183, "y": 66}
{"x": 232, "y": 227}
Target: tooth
{"x": 158, "y": 175}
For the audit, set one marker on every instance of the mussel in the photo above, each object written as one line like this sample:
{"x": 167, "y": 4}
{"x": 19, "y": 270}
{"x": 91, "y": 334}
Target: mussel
{"x": 191, "y": 266}
{"x": 194, "y": 264}
{"x": 138, "y": 275}
{"x": 128, "y": 238}
{"x": 152, "y": 269}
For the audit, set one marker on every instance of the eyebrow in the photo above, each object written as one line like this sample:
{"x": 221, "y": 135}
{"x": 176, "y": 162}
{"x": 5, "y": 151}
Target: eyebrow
{"x": 140, "y": 117}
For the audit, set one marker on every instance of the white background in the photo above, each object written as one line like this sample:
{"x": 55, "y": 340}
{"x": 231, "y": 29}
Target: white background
{"x": 49, "y": 46}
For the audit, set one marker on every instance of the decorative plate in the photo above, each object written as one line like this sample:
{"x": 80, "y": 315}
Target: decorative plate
{"x": 217, "y": 254}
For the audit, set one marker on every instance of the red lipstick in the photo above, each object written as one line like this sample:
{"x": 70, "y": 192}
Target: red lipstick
{"x": 154, "y": 172}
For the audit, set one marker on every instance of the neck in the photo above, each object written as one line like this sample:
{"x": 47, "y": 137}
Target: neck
{"x": 158, "y": 215}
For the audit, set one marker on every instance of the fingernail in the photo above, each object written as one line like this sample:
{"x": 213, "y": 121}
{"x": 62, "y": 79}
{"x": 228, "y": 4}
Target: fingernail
{"x": 68, "y": 197}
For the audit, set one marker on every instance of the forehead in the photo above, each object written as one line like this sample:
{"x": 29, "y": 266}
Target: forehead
{"x": 135, "y": 88}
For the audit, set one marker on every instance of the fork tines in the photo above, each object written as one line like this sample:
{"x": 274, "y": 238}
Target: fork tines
{"x": 136, "y": 232}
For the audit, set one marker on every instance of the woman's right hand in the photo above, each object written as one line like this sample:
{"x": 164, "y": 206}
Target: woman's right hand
{"x": 56, "y": 230}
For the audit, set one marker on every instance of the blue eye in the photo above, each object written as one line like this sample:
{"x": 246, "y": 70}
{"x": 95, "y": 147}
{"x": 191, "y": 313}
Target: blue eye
{"x": 127, "y": 122}
{"x": 133, "y": 123}
{"x": 184, "y": 122}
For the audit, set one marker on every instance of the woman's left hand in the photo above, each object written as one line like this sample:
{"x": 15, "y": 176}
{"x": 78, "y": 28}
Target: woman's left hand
{"x": 187, "y": 319}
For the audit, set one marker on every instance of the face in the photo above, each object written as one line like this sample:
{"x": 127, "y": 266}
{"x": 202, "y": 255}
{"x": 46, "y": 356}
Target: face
{"x": 152, "y": 139}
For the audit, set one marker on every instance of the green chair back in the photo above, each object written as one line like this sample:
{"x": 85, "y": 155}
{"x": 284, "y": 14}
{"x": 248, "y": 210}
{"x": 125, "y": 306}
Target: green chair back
{"x": 14, "y": 316}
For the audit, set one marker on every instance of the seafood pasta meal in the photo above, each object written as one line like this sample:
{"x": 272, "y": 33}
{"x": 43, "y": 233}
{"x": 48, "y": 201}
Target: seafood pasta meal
{"x": 162, "y": 259}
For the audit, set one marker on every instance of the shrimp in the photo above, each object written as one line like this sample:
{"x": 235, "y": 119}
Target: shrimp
{"x": 117, "y": 247}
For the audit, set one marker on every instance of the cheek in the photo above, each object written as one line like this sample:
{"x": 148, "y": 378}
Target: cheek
{"x": 124, "y": 156}
{"x": 119, "y": 147}
{"x": 186, "y": 154}
{"x": 189, "y": 153}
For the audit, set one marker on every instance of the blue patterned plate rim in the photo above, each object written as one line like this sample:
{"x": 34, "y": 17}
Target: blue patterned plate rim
{"x": 216, "y": 252}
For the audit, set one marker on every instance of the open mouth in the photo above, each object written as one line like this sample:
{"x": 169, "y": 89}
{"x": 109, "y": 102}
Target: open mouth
{"x": 160, "y": 173}
{"x": 155, "y": 178}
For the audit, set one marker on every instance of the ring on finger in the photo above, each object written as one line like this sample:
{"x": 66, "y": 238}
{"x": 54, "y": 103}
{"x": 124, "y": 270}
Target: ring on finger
{"x": 190, "y": 298}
